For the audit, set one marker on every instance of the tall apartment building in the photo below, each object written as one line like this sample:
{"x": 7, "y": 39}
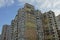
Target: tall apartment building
{"x": 5, "y": 32}
{"x": 28, "y": 24}
{"x": 50, "y": 26}
{"x": 58, "y": 24}
{"x": 0, "y": 36}
{"x": 12, "y": 29}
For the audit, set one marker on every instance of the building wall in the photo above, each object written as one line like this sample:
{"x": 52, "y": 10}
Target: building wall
{"x": 58, "y": 21}
{"x": 6, "y": 32}
{"x": 26, "y": 24}
{"x": 39, "y": 24}
{"x": 58, "y": 24}
{"x": 0, "y": 36}
{"x": 49, "y": 22}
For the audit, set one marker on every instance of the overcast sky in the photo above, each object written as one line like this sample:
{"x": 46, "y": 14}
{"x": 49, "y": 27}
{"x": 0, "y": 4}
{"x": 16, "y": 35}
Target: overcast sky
{"x": 9, "y": 8}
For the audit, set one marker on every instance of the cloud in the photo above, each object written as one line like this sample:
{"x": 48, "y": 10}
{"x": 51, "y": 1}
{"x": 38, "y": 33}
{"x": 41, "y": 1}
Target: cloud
{"x": 44, "y": 5}
{"x": 57, "y": 12}
{"x": 6, "y": 3}
{"x": 0, "y": 33}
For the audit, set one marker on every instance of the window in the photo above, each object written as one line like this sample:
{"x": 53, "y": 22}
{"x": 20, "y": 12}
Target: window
{"x": 47, "y": 30}
{"x": 53, "y": 32}
{"x": 56, "y": 25}
{"x": 48, "y": 39}
{"x": 37, "y": 18}
{"x": 59, "y": 39}
{"x": 49, "y": 12}
{"x": 44, "y": 15}
{"x": 53, "y": 38}
{"x": 4, "y": 38}
{"x": 51, "y": 29}
{"x": 59, "y": 36}
{"x": 16, "y": 39}
{"x": 55, "y": 21}
{"x": 50, "y": 24}
{"x": 16, "y": 36}
{"x": 47, "y": 33}
{"x": 50, "y": 17}
{"x": 53, "y": 35}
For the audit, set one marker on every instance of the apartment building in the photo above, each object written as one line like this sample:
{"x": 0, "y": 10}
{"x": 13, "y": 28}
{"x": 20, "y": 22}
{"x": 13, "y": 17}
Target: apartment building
{"x": 58, "y": 24}
{"x": 0, "y": 36}
{"x": 5, "y": 32}
{"x": 27, "y": 24}
{"x": 50, "y": 26}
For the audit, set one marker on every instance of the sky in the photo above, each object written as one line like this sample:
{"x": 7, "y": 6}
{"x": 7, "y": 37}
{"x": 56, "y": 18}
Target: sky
{"x": 9, "y": 8}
